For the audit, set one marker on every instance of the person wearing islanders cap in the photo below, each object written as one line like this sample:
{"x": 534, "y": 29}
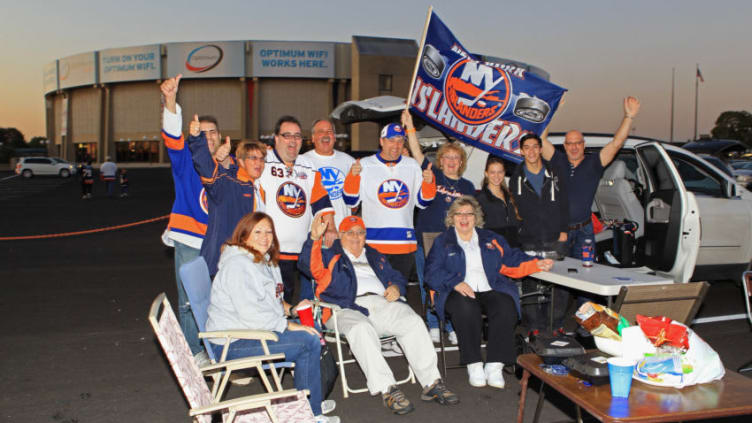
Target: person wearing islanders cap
{"x": 389, "y": 186}
{"x": 361, "y": 280}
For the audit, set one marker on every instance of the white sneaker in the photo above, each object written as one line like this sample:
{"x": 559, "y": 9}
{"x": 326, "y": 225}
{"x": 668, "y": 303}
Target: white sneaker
{"x": 435, "y": 335}
{"x": 202, "y": 359}
{"x": 327, "y": 406}
{"x": 326, "y": 419}
{"x": 494, "y": 375}
{"x": 453, "y": 337}
{"x": 477, "y": 377}
{"x": 391, "y": 349}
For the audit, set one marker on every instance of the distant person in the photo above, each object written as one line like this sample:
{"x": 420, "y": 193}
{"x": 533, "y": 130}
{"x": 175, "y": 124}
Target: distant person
{"x": 123, "y": 183}
{"x": 332, "y": 164}
{"x": 295, "y": 196}
{"x": 502, "y": 216}
{"x": 87, "y": 180}
{"x": 542, "y": 203}
{"x": 390, "y": 186}
{"x": 451, "y": 162}
{"x": 582, "y": 172}
{"x": 108, "y": 171}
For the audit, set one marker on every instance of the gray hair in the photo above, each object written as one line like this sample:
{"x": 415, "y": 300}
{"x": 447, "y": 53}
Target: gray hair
{"x": 465, "y": 200}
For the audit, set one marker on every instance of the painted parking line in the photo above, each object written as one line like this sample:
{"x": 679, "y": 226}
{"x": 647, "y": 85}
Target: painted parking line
{"x": 9, "y": 177}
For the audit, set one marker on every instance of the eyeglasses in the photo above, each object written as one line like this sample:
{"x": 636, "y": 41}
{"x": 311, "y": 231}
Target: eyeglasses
{"x": 355, "y": 233}
{"x": 290, "y": 136}
{"x": 451, "y": 157}
{"x": 468, "y": 214}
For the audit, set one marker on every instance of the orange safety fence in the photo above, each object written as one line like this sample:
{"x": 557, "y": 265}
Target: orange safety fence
{"x": 86, "y": 232}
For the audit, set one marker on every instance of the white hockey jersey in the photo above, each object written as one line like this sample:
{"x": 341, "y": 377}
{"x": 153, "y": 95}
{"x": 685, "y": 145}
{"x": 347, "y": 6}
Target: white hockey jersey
{"x": 333, "y": 170}
{"x": 389, "y": 193}
{"x": 293, "y": 196}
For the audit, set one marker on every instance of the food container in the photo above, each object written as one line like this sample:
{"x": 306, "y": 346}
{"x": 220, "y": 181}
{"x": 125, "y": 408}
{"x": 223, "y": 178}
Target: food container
{"x": 554, "y": 349}
{"x": 592, "y": 367}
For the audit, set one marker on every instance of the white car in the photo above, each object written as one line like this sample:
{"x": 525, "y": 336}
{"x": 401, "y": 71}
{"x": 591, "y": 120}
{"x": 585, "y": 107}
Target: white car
{"x": 30, "y": 166}
{"x": 694, "y": 221}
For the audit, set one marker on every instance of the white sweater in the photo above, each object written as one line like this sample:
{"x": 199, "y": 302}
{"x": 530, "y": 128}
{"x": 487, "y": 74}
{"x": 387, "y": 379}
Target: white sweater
{"x": 245, "y": 295}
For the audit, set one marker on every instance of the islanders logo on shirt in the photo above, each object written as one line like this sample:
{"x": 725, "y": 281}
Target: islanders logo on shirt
{"x": 476, "y": 93}
{"x": 203, "y": 201}
{"x": 291, "y": 199}
{"x": 333, "y": 180}
{"x": 394, "y": 193}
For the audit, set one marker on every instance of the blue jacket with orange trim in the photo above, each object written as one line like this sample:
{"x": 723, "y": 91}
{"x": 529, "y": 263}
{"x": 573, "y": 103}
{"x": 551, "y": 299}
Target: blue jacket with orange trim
{"x": 445, "y": 266}
{"x": 334, "y": 274}
{"x": 231, "y": 194}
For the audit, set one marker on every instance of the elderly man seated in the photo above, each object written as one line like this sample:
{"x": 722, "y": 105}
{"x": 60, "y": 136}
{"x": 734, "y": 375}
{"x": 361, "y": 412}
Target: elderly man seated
{"x": 360, "y": 280}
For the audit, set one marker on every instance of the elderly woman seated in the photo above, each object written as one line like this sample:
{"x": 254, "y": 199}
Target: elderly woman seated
{"x": 468, "y": 268}
{"x": 247, "y": 294}
{"x": 360, "y": 280}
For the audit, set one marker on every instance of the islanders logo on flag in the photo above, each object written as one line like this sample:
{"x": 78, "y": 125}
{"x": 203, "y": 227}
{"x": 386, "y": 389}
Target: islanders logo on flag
{"x": 291, "y": 199}
{"x": 476, "y": 93}
{"x": 394, "y": 193}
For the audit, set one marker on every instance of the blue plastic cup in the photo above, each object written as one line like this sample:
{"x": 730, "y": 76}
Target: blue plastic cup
{"x": 620, "y": 372}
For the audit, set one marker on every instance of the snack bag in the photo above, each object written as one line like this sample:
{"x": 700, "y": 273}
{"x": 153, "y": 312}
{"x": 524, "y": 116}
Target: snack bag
{"x": 662, "y": 330}
{"x": 599, "y": 320}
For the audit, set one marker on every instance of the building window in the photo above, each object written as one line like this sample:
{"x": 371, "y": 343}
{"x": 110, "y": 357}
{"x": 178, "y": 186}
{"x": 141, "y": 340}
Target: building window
{"x": 137, "y": 151}
{"x": 385, "y": 84}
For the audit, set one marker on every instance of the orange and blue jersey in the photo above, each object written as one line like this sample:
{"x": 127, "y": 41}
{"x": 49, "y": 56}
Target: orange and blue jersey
{"x": 189, "y": 216}
{"x": 445, "y": 265}
{"x": 231, "y": 194}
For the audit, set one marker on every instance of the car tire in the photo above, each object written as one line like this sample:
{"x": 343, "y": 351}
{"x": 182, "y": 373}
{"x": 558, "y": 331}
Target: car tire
{"x": 27, "y": 173}
{"x": 64, "y": 173}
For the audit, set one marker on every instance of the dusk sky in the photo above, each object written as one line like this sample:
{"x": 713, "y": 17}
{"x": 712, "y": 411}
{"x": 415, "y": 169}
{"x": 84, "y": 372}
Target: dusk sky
{"x": 600, "y": 50}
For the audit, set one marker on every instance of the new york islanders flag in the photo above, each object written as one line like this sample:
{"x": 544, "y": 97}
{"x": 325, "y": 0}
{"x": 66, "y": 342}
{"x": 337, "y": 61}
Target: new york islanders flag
{"x": 487, "y": 105}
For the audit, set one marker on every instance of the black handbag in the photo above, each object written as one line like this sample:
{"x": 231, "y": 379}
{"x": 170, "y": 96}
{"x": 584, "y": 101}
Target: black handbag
{"x": 329, "y": 372}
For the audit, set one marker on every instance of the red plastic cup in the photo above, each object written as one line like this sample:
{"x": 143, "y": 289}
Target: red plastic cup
{"x": 305, "y": 313}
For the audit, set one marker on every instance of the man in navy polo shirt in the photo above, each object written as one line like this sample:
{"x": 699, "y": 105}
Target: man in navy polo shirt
{"x": 582, "y": 172}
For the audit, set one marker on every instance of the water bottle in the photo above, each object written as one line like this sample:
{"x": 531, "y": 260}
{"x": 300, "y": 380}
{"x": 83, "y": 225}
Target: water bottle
{"x": 587, "y": 253}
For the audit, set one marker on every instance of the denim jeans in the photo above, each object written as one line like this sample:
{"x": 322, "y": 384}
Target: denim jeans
{"x": 184, "y": 254}
{"x": 300, "y": 347}
{"x": 420, "y": 266}
{"x": 576, "y": 239}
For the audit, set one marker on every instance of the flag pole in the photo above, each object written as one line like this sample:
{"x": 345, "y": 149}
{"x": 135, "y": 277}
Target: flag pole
{"x": 697, "y": 85}
{"x": 408, "y": 100}
{"x": 673, "y": 85}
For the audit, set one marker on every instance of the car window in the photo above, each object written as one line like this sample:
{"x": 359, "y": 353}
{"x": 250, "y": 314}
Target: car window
{"x": 37, "y": 161}
{"x": 56, "y": 160}
{"x": 697, "y": 178}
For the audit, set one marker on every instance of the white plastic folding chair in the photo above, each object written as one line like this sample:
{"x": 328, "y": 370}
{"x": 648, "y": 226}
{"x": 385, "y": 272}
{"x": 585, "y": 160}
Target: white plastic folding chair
{"x": 280, "y": 406}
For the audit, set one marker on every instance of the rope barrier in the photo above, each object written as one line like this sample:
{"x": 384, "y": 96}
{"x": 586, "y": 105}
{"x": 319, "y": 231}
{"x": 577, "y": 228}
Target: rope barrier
{"x": 86, "y": 232}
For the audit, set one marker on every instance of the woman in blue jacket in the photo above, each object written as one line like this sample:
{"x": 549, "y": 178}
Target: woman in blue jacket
{"x": 468, "y": 268}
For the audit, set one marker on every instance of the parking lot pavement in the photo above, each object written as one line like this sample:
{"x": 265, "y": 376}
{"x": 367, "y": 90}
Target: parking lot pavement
{"x": 77, "y": 346}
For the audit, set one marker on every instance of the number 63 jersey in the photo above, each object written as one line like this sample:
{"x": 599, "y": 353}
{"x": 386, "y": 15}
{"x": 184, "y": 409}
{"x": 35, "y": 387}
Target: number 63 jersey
{"x": 293, "y": 196}
{"x": 389, "y": 193}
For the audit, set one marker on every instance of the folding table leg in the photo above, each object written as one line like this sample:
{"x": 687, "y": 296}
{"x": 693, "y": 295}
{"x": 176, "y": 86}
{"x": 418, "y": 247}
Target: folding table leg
{"x": 523, "y": 396}
{"x": 579, "y": 414}
{"x": 551, "y": 311}
{"x": 539, "y": 407}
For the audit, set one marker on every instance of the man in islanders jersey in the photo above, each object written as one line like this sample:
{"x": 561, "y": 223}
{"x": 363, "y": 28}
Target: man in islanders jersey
{"x": 294, "y": 195}
{"x": 390, "y": 186}
{"x": 190, "y": 215}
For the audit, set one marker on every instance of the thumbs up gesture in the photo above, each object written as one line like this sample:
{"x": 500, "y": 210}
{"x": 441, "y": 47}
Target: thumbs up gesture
{"x": 195, "y": 127}
{"x": 224, "y": 150}
{"x": 356, "y": 168}
{"x": 428, "y": 173}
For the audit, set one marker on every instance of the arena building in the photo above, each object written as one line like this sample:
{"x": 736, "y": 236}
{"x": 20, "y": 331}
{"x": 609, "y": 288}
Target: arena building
{"x": 107, "y": 102}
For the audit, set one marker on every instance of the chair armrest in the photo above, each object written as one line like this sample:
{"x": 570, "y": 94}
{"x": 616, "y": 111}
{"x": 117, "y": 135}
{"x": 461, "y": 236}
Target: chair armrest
{"x": 243, "y": 403}
{"x": 241, "y": 334}
{"x": 334, "y": 307}
{"x": 242, "y": 363}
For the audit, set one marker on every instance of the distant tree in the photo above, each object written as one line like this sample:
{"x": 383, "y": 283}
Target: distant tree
{"x": 37, "y": 142}
{"x": 734, "y": 126}
{"x": 10, "y": 139}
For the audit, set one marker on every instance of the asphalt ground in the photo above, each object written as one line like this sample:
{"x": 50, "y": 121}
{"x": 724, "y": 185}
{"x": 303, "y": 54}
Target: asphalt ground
{"x": 77, "y": 347}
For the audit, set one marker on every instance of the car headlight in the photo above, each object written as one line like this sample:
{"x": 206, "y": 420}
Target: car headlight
{"x": 744, "y": 179}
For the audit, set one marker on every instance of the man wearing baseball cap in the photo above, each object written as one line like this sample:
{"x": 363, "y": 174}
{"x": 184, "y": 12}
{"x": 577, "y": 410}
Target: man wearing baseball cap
{"x": 361, "y": 281}
{"x": 390, "y": 186}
